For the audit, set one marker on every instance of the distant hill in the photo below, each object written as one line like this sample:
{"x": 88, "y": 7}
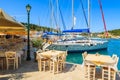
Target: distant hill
{"x": 39, "y": 28}
{"x": 111, "y": 34}
{"x": 115, "y": 32}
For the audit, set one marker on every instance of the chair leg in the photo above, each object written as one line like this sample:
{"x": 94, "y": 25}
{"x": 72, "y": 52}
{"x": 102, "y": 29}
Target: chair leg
{"x": 19, "y": 59}
{"x": 57, "y": 67}
{"x": 39, "y": 68}
{"x": 44, "y": 65}
{"x": 64, "y": 64}
{"x": 51, "y": 64}
{"x": 16, "y": 63}
{"x": 54, "y": 67}
{"x": 7, "y": 64}
{"x": 60, "y": 65}
{"x": 2, "y": 64}
{"x": 113, "y": 75}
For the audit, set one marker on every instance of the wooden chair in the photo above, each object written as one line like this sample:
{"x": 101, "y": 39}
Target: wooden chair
{"x": 64, "y": 59}
{"x": 54, "y": 64}
{"x": 116, "y": 59}
{"x": 114, "y": 56}
{"x": 84, "y": 55}
{"x": 57, "y": 63}
{"x": 105, "y": 74}
{"x": 61, "y": 62}
{"x": 108, "y": 73}
{"x": 90, "y": 70}
{"x": 114, "y": 68}
{"x": 43, "y": 62}
{"x": 1, "y": 63}
{"x": 2, "y": 58}
{"x": 11, "y": 59}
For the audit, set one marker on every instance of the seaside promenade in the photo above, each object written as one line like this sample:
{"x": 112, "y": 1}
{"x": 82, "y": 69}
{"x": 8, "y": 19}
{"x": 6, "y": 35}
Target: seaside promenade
{"x": 28, "y": 70}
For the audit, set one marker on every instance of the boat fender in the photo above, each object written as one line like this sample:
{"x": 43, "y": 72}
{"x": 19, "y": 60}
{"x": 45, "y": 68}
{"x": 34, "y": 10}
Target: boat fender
{"x": 89, "y": 44}
{"x": 50, "y": 42}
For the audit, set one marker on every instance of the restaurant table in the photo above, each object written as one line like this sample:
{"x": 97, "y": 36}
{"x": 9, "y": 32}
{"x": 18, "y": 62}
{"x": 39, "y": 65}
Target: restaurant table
{"x": 100, "y": 60}
{"x": 50, "y": 53}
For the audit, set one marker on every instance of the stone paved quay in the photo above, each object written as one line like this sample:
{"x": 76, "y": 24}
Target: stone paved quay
{"x": 28, "y": 70}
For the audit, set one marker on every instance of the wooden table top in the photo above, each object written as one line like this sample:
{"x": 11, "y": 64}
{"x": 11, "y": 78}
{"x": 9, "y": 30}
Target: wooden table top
{"x": 51, "y": 53}
{"x": 100, "y": 59}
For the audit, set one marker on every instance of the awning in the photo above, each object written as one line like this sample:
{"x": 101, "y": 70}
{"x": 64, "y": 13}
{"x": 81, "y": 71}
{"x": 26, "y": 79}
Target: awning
{"x": 10, "y": 25}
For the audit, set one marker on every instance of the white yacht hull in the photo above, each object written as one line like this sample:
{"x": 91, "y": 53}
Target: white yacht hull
{"x": 78, "y": 46}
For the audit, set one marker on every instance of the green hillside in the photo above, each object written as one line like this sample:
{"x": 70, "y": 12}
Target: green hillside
{"x": 39, "y": 28}
{"x": 115, "y": 32}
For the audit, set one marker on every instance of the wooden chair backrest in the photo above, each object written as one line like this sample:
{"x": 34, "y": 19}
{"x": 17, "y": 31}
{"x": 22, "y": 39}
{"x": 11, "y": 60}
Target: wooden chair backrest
{"x": 61, "y": 56}
{"x": 54, "y": 58}
{"x": 84, "y": 55}
{"x": 116, "y": 58}
{"x": 10, "y": 54}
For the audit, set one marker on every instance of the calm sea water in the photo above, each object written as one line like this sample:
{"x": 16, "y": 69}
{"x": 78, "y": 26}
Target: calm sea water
{"x": 113, "y": 48}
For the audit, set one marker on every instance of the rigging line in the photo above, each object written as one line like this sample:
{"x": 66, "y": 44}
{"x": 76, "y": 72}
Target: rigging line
{"x": 49, "y": 11}
{"x": 38, "y": 20}
{"x": 51, "y": 15}
{"x": 106, "y": 32}
{"x": 84, "y": 12}
{"x": 46, "y": 17}
{"x": 62, "y": 17}
{"x": 66, "y": 6}
{"x": 53, "y": 12}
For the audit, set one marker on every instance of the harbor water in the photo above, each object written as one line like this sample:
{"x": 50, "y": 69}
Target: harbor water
{"x": 113, "y": 48}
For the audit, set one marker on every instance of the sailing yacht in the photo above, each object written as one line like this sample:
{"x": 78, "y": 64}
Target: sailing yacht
{"x": 78, "y": 44}
{"x": 72, "y": 42}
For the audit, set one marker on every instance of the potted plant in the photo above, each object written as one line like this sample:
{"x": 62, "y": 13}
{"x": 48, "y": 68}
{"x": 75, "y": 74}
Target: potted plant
{"x": 37, "y": 44}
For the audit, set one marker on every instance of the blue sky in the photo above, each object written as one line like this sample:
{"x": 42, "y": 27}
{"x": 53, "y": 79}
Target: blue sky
{"x": 40, "y": 13}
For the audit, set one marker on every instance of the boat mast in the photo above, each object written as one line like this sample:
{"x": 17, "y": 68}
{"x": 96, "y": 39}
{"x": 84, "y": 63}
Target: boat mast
{"x": 106, "y": 32}
{"x": 89, "y": 15}
{"x": 51, "y": 14}
{"x": 57, "y": 15}
{"x": 89, "y": 19}
{"x": 50, "y": 10}
{"x": 72, "y": 14}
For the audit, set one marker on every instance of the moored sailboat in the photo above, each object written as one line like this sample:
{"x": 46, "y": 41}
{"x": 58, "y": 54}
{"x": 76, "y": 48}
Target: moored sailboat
{"x": 78, "y": 43}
